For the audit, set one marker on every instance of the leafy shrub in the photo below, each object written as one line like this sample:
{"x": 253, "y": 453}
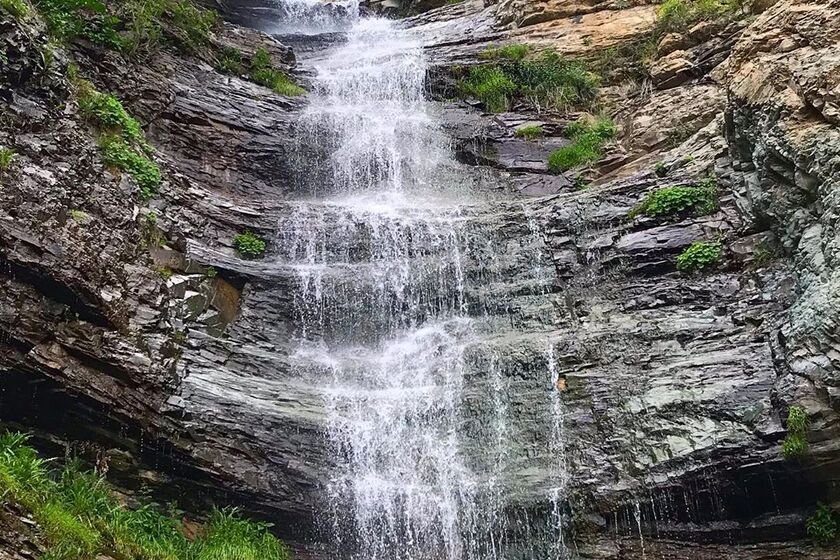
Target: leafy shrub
{"x": 529, "y": 132}
{"x": 107, "y": 113}
{"x": 230, "y": 61}
{"x": 117, "y": 153}
{"x": 677, "y": 200}
{"x": 796, "y": 443}
{"x": 491, "y": 86}
{"x": 588, "y": 140}
{"x": 263, "y": 73}
{"x": 249, "y": 245}
{"x": 81, "y": 518}
{"x": 7, "y": 157}
{"x": 16, "y": 8}
{"x": 822, "y": 526}
{"x": 699, "y": 256}
{"x": 545, "y": 80}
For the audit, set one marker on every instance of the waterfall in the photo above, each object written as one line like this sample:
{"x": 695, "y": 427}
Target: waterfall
{"x": 414, "y": 289}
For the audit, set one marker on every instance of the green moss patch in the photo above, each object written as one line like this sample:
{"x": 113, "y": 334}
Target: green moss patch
{"x": 262, "y": 72}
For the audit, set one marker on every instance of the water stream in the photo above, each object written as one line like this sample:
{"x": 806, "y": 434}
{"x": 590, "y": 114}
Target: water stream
{"x": 420, "y": 296}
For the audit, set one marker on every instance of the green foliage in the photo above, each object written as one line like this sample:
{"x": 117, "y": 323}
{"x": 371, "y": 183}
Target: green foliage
{"x": 249, "y": 245}
{"x": 164, "y": 272}
{"x": 107, "y": 113}
{"x": 81, "y": 518}
{"x": 68, "y": 536}
{"x": 263, "y": 73}
{"x": 796, "y": 443}
{"x": 7, "y": 157}
{"x": 545, "y": 80}
{"x": 16, "y": 8}
{"x": 78, "y": 215}
{"x": 230, "y": 61}
{"x": 822, "y": 526}
{"x": 117, "y": 153}
{"x": 676, "y": 201}
{"x": 506, "y": 52}
{"x": 229, "y": 537}
{"x": 131, "y": 26}
{"x": 675, "y": 16}
{"x": 588, "y": 140}
{"x": 699, "y": 255}
{"x": 88, "y": 19}
{"x": 530, "y": 132}
{"x": 491, "y": 86}
{"x": 211, "y": 272}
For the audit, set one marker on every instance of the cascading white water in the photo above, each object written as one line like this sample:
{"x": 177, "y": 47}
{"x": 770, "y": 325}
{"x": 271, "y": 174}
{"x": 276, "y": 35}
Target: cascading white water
{"x": 404, "y": 272}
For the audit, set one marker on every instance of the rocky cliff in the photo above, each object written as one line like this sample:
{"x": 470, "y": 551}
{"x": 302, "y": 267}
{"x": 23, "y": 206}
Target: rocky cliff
{"x": 149, "y": 342}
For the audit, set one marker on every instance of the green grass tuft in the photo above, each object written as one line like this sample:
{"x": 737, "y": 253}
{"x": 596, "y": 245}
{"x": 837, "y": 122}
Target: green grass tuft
{"x": 796, "y": 443}
{"x": 229, "y": 61}
{"x": 700, "y": 255}
{"x": 81, "y": 518}
{"x": 117, "y": 153}
{"x": 588, "y": 140}
{"x": 530, "y": 132}
{"x": 491, "y": 86}
{"x": 248, "y": 245}
{"x": 229, "y": 537}
{"x": 545, "y": 80}
{"x": 263, "y": 73}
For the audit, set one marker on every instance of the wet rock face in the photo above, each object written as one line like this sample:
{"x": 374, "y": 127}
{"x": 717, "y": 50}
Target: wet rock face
{"x": 675, "y": 386}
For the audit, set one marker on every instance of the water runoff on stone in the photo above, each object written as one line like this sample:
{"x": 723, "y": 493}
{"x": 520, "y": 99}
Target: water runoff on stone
{"x": 420, "y": 299}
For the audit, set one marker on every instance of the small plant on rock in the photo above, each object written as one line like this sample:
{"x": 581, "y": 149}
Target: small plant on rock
{"x": 230, "y": 61}
{"x": 263, "y": 73}
{"x": 822, "y": 526}
{"x": 107, "y": 113}
{"x": 796, "y": 443}
{"x": 700, "y": 255}
{"x": 530, "y": 132}
{"x": 587, "y": 143}
{"x": 676, "y": 201}
{"x": 117, "y": 153}
{"x": 7, "y": 158}
{"x": 249, "y": 246}
{"x": 491, "y": 86}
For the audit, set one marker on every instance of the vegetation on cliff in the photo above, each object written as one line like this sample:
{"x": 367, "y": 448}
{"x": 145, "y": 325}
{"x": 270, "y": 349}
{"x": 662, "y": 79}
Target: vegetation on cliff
{"x": 679, "y": 200}
{"x": 544, "y": 80}
{"x": 80, "y": 517}
{"x": 588, "y": 139}
{"x": 698, "y": 256}
{"x": 796, "y": 443}
{"x": 248, "y": 245}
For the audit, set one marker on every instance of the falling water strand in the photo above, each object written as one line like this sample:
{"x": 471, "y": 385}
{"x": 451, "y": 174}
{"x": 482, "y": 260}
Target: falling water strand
{"x": 399, "y": 274}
